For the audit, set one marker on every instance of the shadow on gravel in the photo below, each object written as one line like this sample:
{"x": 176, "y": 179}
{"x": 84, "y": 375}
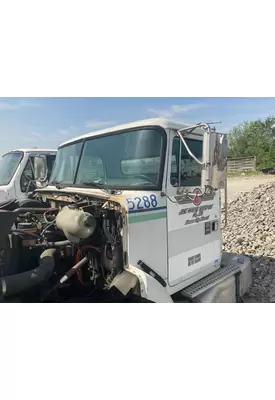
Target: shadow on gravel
{"x": 263, "y": 275}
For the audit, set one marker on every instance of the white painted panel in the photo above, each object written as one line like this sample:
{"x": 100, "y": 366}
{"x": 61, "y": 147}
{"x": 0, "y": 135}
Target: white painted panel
{"x": 148, "y": 242}
{"x": 178, "y": 265}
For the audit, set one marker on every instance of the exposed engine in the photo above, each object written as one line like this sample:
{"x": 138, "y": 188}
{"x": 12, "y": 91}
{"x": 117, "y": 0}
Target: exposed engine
{"x": 60, "y": 250}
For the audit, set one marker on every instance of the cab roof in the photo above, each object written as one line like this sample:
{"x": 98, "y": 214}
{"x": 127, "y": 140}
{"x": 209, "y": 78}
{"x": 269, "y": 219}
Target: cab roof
{"x": 162, "y": 122}
{"x": 33, "y": 151}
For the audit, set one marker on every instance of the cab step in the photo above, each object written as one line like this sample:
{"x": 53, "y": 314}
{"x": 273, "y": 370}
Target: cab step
{"x": 210, "y": 281}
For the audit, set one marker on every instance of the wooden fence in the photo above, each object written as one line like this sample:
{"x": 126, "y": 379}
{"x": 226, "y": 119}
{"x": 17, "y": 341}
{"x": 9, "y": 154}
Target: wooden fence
{"x": 241, "y": 164}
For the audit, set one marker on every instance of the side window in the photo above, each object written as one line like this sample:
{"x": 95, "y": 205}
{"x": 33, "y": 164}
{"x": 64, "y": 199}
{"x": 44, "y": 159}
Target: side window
{"x": 184, "y": 170}
{"x": 50, "y": 164}
{"x": 27, "y": 178}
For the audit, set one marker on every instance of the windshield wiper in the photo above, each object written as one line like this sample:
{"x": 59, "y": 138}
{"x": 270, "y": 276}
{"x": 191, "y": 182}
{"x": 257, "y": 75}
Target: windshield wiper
{"x": 92, "y": 184}
{"x": 58, "y": 185}
{"x": 100, "y": 186}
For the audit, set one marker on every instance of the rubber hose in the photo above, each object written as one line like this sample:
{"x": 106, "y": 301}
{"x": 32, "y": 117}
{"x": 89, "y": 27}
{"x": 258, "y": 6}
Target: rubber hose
{"x": 53, "y": 244}
{"x": 106, "y": 232}
{"x": 67, "y": 276}
{"x": 26, "y": 233}
{"x": 14, "y": 284}
{"x": 35, "y": 210}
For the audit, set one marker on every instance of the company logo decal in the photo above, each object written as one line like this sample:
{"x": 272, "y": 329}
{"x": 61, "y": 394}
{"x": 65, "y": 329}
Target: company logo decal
{"x": 196, "y": 197}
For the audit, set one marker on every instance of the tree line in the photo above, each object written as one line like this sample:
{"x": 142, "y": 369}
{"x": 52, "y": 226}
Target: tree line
{"x": 254, "y": 138}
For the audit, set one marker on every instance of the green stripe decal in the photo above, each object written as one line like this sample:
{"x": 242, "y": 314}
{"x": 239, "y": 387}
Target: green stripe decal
{"x": 141, "y": 217}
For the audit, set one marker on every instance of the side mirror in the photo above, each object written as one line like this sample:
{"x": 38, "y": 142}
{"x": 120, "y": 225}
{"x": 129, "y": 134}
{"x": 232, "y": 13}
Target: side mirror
{"x": 40, "y": 170}
{"x": 218, "y": 159}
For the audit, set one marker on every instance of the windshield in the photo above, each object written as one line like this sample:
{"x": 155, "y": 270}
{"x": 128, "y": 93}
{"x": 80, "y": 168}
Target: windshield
{"x": 123, "y": 160}
{"x": 8, "y": 166}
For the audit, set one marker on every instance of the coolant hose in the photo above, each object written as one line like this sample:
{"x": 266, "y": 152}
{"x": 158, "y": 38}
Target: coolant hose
{"x": 14, "y": 284}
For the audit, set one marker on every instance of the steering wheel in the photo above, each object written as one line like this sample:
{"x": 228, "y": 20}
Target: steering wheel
{"x": 144, "y": 177}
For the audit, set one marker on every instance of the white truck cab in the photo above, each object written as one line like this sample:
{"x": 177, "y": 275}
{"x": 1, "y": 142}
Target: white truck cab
{"x": 166, "y": 176}
{"x": 18, "y": 169}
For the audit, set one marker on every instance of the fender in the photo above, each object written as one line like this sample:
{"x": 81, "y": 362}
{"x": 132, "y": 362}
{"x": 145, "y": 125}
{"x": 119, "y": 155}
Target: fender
{"x": 150, "y": 288}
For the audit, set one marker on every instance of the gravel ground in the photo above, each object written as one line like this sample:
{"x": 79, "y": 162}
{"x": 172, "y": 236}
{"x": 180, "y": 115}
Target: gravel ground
{"x": 251, "y": 231}
{"x": 239, "y": 185}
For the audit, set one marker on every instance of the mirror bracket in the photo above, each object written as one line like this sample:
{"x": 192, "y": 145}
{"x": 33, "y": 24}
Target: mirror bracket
{"x": 215, "y": 156}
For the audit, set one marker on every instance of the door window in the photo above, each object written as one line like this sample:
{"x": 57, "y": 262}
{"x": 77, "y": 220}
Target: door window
{"x": 184, "y": 170}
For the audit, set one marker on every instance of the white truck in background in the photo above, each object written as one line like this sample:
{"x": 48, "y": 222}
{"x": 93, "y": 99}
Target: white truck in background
{"x": 20, "y": 172}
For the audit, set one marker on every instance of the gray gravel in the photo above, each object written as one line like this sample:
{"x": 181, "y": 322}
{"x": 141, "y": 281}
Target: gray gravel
{"x": 251, "y": 231}
{"x": 241, "y": 184}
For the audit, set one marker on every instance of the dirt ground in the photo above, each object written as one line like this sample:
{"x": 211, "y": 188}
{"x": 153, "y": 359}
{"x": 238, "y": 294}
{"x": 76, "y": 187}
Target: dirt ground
{"x": 235, "y": 186}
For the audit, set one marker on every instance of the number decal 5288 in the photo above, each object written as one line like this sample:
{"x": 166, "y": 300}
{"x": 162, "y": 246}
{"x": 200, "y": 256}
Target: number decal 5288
{"x": 144, "y": 202}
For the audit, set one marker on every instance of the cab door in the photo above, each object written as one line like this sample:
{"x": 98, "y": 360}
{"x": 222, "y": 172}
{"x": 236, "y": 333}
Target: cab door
{"x": 193, "y": 235}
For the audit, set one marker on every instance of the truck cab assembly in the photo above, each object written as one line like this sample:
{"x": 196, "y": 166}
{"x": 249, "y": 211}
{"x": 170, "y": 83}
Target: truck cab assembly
{"x": 130, "y": 214}
{"x": 24, "y": 170}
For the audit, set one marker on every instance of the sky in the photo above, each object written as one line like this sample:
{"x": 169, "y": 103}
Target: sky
{"x": 48, "y": 122}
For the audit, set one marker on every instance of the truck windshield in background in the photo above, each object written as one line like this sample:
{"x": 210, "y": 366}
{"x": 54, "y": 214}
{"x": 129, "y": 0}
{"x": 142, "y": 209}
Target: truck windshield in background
{"x": 8, "y": 166}
{"x": 131, "y": 159}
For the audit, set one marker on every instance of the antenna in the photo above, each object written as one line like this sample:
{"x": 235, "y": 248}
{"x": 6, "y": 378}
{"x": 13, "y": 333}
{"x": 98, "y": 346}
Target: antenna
{"x": 211, "y": 123}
